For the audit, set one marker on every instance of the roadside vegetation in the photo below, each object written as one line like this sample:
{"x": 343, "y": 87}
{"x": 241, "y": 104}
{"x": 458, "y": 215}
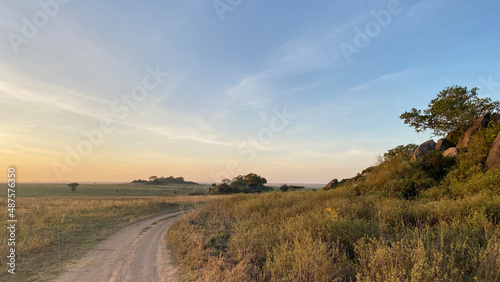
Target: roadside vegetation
{"x": 435, "y": 219}
{"x": 52, "y": 231}
{"x": 338, "y": 236}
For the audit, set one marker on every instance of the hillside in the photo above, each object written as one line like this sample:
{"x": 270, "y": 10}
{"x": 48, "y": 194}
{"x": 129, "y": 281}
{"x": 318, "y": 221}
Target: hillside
{"x": 338, "y": 236}
{"x": 421, "y": 213}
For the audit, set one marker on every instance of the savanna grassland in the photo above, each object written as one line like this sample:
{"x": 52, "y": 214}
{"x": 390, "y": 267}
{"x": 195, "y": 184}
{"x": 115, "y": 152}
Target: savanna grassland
{"x": 413, "y": 216}
{"x": 104, "y": 190}
{"x": 434, "y": 220}
{"x": 56, "y": 225}
{"x": 337, "y": 235}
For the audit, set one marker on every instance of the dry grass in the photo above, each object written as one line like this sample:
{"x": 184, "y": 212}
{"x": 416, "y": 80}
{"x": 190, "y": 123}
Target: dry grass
{"x": 336, "y": 236}
{"x": 51, "y": 231}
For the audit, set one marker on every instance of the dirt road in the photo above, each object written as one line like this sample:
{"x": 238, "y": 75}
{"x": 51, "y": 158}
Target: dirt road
{"x": 136, "y": 253}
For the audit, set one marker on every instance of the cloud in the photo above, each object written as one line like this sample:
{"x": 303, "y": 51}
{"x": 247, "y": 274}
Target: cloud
{"x": 406, "y": 74}
{"x": 47, "y": 98}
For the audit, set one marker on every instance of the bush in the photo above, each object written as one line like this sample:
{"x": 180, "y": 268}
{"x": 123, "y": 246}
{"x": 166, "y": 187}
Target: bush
{"x": 470, "y": 165}
{"x": 250, "y": 183}
{"x": 286, "y": 188}
{"x": 221, "y": 189}
{"x": 334, "y": 235}
{"x": 395, "y": 175}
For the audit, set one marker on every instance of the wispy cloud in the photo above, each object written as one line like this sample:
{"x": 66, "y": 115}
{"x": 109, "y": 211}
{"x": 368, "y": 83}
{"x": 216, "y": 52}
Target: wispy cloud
{"x": 388, "y": 78}
{"x": 55, "y": 99}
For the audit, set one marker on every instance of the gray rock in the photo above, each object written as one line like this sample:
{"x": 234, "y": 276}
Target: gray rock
{"x": 451, "y": 152}
{"x": 424, "y": 148}
{"x": 493, "y": 159}
{"x": 479, "y": 124}
{"x": 443, "y": 144}
{"x": 332, "y": 183}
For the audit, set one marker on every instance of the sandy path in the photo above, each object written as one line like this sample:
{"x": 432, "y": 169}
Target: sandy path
{"x": 128, "y": 255}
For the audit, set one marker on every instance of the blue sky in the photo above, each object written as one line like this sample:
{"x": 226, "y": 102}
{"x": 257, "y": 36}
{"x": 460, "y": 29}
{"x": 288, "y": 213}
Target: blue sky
{"x": 229, "y": 74}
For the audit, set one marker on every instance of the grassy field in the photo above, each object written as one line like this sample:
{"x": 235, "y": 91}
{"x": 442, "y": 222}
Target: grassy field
{"x": 102, "y": 190}
{"x": 337, "y": 235}
{"x": 117, "y": 190}
{"x": 56, "y": 226}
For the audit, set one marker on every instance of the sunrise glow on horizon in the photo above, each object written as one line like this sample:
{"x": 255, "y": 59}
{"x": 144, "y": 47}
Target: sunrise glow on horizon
{"x": 295, "y": 92}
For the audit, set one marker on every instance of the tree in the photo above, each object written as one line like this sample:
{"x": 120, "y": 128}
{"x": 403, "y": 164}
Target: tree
{"x": 250, "y": 183}
{"x": 221, "y": 189}
{"x": 253, "y": 178}
{"x": 73, "y": 186}
{"x": 402, "y": 151}
{"x": 454, "y": 109}
{"x": 242, "y": 181}
{"x": 153, "y": 178}
{"x": 284, "y": 188}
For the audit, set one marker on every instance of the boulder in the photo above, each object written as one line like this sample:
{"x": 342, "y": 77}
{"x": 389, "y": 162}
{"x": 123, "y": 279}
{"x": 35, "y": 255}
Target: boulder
{"x": 451, "y": 152}
{"x": 493, "y": 159}
{"x": 332, "y": 183}
{"x": 479, "y": 124}
{"x": 424, "y": 148}
{"x": 496, "y": 118}
{"x": 443, "y": 144}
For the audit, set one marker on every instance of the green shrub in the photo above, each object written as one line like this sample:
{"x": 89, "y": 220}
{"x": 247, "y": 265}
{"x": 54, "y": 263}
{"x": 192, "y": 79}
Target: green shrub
{"x": 334, "y": 235}
{"x": 470, "y": 165}
{"x": 286, "y": 188}
{"x": 396, "y": 176}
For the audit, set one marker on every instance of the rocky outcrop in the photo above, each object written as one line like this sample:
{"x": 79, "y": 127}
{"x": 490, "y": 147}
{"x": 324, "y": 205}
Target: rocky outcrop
{"x": 493, "y": 159}
{"x": 331, "y": 184}
{"x": 451, "y": 152}
{"x": 424, "y": 148}
{"x": 443, "y": 144}
{"x": 496, "y": 118}
{"x": 479, "y": 124}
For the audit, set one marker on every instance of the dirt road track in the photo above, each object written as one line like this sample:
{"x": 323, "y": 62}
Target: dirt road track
{"x": 132, "y": 254}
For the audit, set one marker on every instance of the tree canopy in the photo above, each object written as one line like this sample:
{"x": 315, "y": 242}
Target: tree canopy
{"x": 73, "y": 186}
{"x": 454, "y": 108}
{"x": 250, "y": 183}
{"x": 154, "y": 180}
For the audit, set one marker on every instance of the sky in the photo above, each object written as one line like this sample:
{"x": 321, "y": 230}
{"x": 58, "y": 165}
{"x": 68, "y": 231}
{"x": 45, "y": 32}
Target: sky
{"x": 295, "y": 91}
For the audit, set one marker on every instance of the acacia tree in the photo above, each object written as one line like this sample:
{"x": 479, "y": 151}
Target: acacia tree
{"x": 73, "y": 186}
{"x": 454, "y": 109}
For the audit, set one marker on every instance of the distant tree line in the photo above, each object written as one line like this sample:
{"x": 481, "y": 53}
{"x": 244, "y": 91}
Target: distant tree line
{"x": 154, "y": 180}
{"x": 250, "y": 183}
{"x": 286, "y": 188}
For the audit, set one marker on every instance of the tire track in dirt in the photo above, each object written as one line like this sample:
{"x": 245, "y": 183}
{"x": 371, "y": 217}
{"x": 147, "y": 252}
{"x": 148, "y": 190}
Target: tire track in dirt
{"x": 136, "y": 253}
